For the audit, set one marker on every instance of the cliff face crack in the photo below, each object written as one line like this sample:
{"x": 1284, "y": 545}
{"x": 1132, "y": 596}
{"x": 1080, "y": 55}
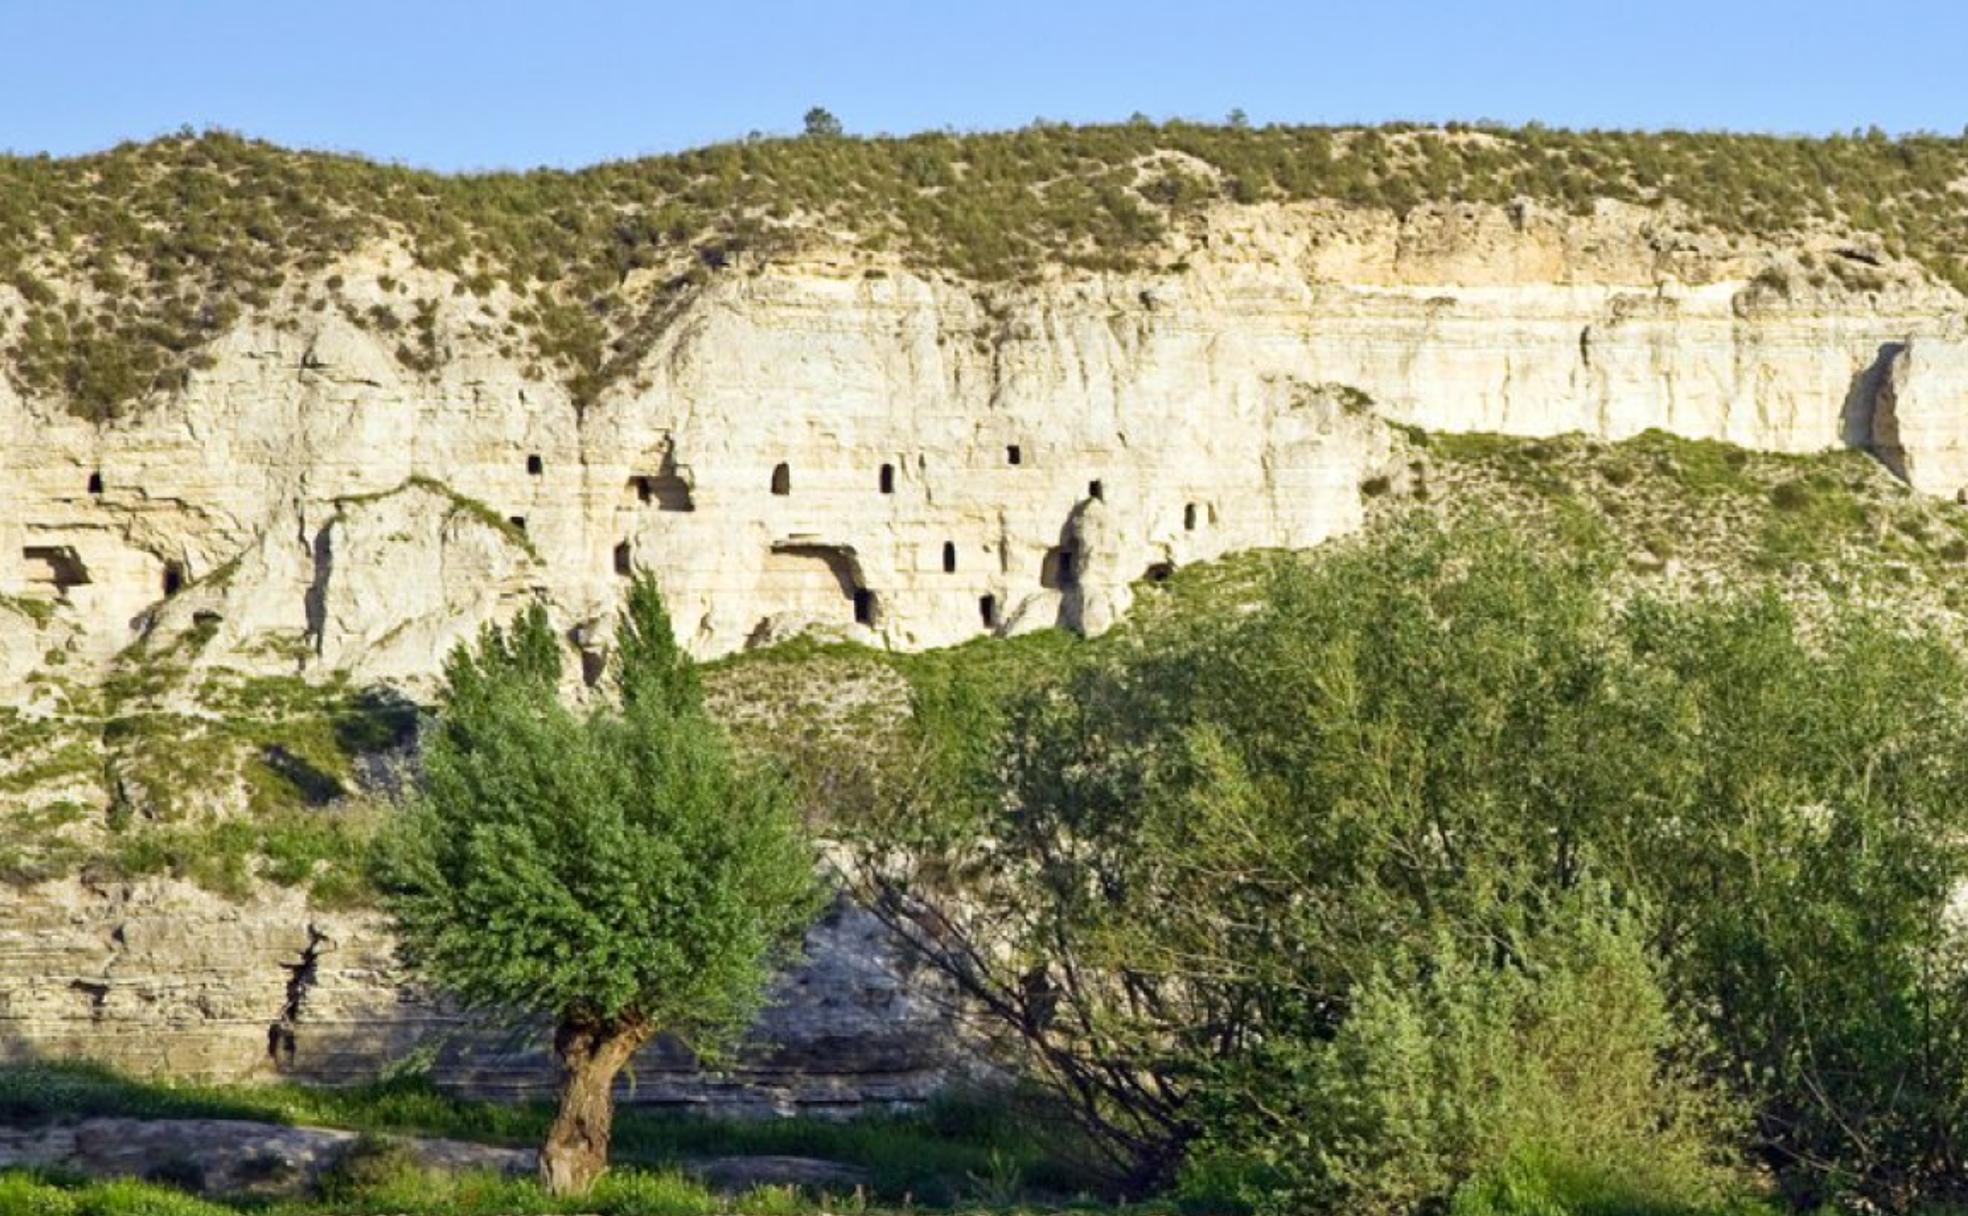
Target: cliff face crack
{"x": 301, "y": 978}
{"x": 95, "y": 993}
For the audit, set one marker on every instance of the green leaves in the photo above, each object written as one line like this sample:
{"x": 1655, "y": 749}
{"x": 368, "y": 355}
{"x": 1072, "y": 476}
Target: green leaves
{"x": 616, "y": 864}
{"x": 1210, "y": 857}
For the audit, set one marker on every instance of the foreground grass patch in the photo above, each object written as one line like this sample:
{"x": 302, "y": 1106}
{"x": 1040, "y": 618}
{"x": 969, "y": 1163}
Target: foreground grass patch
{"x": 946, "y": 1154}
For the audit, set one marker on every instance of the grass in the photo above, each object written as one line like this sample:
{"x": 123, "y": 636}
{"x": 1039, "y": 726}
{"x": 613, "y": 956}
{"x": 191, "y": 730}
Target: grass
{"x": 1537, "y": 1186}
{"x": 939, "y": 1155}
{"x": 227, "y": 780}
{"x": 461, "y": 504}
{"x": 422, "y": 1193}
{"x": 1836, "y": 517}
{"x": 38, "y": 611}
{"x": 402, "y": 1193}
{"x": 128, "y": 263}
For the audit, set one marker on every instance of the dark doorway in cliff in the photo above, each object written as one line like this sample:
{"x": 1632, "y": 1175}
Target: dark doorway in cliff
{"x": 1159, "y": 572}
{"x": 624, "y": 560}
{"x": 518, "y": 522}
{"x": 95, "y": 483}
{"x": 1189, "y": 517}
{"x": 535, "y": 466}
{"x": 949, "y": 557}
{"x": 665, "y": 491}
{"x": 987, "y": 610}
{"x": 782, "y": 479}
{"x": 54, "y": 567}
{"x": 864, "y": 606}
{"x": 1096, "y": 491}
{"x": 888, "y": 479}
{"x": 1056, "y": 572}
{"x": 174, "y": 578}
{"x": 1014, "y": 455}
{"x": 1863, "y": 424}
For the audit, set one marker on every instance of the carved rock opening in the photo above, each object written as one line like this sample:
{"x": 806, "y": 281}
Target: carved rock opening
{"x": 55, "y": 568}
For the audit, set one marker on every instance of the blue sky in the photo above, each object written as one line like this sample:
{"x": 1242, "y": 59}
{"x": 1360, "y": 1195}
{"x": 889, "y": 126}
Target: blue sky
{"x": 457, "y": 85}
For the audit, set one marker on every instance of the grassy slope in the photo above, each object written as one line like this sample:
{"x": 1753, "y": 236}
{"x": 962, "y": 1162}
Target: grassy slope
{"x": 127, "y": 262}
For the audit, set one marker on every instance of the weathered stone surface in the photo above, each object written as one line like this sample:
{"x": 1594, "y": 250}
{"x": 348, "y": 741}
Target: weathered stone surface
{"x": 162, "y": 978}
{"x": 1248, "y": 385}
{"x": 1921, "y": 427}
{"x": 223, "y": 1156}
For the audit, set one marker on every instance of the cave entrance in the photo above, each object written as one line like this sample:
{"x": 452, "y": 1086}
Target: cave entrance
{"x": 782, "y": 479}
{"x": 54, "y": 568}
{"x": 1056, "y": 571}
{"x": 667, "y": 489}
{"x": 819, "y": 581}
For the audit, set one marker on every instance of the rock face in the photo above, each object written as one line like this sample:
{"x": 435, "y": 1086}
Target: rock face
{"x": 834, "y": 442}
{"x": 902, "y": 458}
{"x": 161, "y": 978}
{"x": 1921, "y": 405}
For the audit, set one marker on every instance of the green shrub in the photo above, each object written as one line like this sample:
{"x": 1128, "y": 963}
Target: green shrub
{"x": 1449, "y": 1066}
{"x": 1538, "y": 1184}
{"x": 1206, "y": 876}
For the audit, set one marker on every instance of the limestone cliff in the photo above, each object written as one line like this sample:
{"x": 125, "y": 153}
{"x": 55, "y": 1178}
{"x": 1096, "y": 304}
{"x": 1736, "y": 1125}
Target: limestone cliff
{"x": 842, "y": 442}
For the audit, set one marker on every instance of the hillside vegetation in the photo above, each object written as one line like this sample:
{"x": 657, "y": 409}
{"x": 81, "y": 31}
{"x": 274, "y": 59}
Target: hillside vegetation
{"x": 129, "y": 261}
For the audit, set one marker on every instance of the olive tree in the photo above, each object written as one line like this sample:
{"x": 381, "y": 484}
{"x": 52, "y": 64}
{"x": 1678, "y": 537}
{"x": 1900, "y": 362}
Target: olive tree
{"x": 617, "y": 873}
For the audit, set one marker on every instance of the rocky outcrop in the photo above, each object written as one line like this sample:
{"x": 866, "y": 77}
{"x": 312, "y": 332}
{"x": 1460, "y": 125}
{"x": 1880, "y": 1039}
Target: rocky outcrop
{"x": 161, "y": 978}
{"x": 244, "y": 1157}
{"x": 1920, "y": 428}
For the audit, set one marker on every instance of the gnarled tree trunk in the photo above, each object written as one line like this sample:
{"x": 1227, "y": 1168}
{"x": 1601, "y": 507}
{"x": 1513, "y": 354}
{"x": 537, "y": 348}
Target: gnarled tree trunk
{"x": 592, "y": 1051}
